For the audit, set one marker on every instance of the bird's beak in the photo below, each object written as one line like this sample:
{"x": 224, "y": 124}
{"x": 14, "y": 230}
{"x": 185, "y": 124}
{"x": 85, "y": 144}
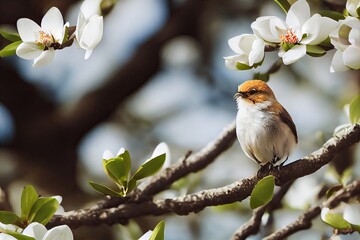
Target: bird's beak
{"x": 240, "y": 94}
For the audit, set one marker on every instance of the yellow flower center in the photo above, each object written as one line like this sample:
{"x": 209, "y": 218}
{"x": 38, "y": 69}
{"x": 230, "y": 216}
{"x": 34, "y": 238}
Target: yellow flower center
{"x": 289, "y": 37}
{"x": 45, "y": 39}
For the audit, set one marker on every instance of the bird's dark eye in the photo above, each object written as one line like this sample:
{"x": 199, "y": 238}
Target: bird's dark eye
{"x": 252, "y": 91}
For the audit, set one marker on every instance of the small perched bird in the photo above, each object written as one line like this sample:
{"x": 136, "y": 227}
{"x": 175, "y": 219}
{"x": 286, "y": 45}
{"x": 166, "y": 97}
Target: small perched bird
{"x": 264, "y": 128}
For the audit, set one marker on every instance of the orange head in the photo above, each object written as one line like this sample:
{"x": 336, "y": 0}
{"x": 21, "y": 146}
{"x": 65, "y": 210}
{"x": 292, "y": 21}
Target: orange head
{"x": 255, "y": 91}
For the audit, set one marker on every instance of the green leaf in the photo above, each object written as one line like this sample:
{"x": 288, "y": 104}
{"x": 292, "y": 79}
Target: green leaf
{"x": 127, "y": 161}
{"x": 355, "y": 227}
{"x": 315, "y": 51}
{"x": 46, "y": 211}
{"x": 40, "y": 202}
{"x": 104, "y": 189}
{"x": 28, "y": 198}
{"x": 262, "y": 192}
{"x": 11, "y": 36}
{"x": 131, "y": 185}
{"x": 10, "y": 49}
{"x": 19, "y": 236}
{"x": 337, "y": 221}
{"x": 358, "y": 11}
{"x": 8, "y": 217}
{"x": 354, "y": 110}
{"x": 150, "y": 167}
{"x": 332, "y": 14}
{"x": 284, "y": 5}
{"x": 346, "y": 176}
{"x": 117, "y": 169}
{"x": 158, "y": 233}
{"x": 242, "y": 66}
{"x": 287, "y": 46}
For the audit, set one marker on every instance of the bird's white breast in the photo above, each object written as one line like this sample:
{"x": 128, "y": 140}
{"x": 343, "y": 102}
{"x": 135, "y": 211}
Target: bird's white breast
{"x": 261, "y": 133}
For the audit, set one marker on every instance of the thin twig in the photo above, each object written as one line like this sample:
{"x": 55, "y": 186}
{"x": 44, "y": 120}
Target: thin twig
{"x": 305, "y": 219}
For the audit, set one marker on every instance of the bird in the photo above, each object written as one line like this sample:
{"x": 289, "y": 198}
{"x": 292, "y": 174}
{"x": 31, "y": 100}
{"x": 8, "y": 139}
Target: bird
{"x": 264, "y": 129}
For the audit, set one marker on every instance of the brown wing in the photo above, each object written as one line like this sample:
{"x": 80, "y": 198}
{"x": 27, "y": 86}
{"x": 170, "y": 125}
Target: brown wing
{"x": 286, "y": 118}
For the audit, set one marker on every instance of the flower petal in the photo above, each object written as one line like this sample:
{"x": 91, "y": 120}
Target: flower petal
{"x": 351, "y": 57}
{"x": 298, "y": 14}
{"x": 231, "y": 61}
{"x": 80, "y": 25}
{"x": 88, "y": 53}
{"x": 29, "y": 30}
{"x": 246, "y": 43}
{"x": 162, "y": 148}
{"x": 53, "y": 23}
{"x": 234, "y": 44}
{"x": 4, "y": 236}
{"x": 146, "y": 236}
{"x": 45, "y": 58}
{"x": 324, "y": 212}
{"x": 90, "y": 8}
{"x": 107, "y": 155}
{"x": 62, "y": 232}
{"x": 352, "y": 213}
{"x": 318, "y": 29}
{"x": 277, "y": 28}
{"x": 354, "y": 36}
{"x": 92, "y": 33}
{"x": 121, "y": 151}
{"x": 337, "y": 63}
{"x": 261, "y": 28}
{"x": 294, "y": 54}
{"x": 35, "y": 230}
{"x": 28, "y": 50}
{"x": 257, "y": 52}
{"x": 351, "y": 6}
{"x": 58, "y": 198}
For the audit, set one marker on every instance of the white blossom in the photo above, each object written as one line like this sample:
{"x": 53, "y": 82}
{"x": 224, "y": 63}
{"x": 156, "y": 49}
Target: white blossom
{"x": 108, "y": 154}
{"x": 146, "y": 236}
{"x": 352, "y": 6}
{"x": 297, "y": 31}
{"x": 39, "y": 232}
{"x": 346, "y": 39}
{"x": 349, "y": 212}
{"x": 352, "y": 213}
{"x": 38, "y": 42}
{"x": 60, "y": 209}
{"x": 249, "y": 51}
{"x": 89, "y": 27}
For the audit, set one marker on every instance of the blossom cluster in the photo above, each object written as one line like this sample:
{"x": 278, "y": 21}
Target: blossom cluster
{"x": 298, "y": 35}
{"x": 39, "y": 43}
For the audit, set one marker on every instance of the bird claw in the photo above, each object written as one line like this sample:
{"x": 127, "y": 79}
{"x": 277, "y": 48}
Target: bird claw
{"x": 265, "y": 170}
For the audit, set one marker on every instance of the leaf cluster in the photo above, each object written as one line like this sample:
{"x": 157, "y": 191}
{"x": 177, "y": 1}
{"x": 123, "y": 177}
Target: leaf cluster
{"x": 118, "y": 170}
{"x": 33, "y": 209}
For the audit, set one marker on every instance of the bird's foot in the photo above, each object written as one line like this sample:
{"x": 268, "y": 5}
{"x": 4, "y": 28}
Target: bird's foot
{"x": 265, "y": 170}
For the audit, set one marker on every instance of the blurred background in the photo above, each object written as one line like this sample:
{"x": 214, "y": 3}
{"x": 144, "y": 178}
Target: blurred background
{"x": 158, "y": 75}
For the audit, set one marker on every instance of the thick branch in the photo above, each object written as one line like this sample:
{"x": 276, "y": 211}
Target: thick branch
{"x": 304, "y": 221}
{"x": 236, "y": 191}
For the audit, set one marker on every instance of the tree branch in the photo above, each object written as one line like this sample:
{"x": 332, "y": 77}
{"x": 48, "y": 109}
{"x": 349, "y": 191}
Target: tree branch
{"x": 236, "y": 191}
{"x": 304, "y": 221}
{"x": 253, "y": 225}
{"x": 187, "y": 164}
